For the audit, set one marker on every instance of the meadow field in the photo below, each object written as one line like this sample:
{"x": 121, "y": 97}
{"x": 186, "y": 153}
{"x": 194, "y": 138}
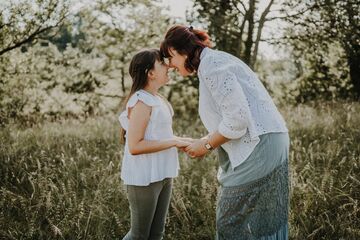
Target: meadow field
{"x": 60, "y": 180}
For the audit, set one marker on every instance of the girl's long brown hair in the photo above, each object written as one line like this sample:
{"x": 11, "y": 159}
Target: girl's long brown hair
{"x": 141, "y": 63}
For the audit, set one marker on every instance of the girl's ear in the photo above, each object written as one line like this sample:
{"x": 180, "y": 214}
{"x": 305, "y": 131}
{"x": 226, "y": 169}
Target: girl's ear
{"x": 151, "y": 74}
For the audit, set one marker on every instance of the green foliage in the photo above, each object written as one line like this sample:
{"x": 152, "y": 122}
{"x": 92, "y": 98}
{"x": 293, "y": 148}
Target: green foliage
{"x": 324, "y": 28}
{"x": 183, "y": 94}
{"x": 23, "y": 21}
{"x": 82, "y": 69}
{"x": 63, "y": 177}
{"x": 67, "y": 35}
{"x": 45, "y": 81}
{"x": 322, "y": 73}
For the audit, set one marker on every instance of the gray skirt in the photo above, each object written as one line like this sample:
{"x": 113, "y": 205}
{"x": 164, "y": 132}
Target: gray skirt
{"x": 258, "y": 208}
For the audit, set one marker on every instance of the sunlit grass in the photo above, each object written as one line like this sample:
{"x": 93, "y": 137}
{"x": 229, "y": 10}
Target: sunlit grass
{"x": 61, "y": 179}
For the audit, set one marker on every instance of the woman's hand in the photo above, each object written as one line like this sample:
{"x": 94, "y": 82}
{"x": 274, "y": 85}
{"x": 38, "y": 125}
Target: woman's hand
{"x": 197, "y": 148}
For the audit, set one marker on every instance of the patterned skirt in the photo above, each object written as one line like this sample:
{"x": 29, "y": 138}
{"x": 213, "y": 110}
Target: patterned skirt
{"x": 255, "y": 210}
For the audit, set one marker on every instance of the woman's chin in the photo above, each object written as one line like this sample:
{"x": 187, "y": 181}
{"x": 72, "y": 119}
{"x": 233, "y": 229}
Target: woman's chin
{"x": 185, "y": 74}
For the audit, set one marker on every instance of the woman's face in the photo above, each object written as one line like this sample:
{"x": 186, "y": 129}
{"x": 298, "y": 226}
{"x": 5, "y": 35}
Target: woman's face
{"x": 159, "y": 73}
{"x": 177, "y": 61}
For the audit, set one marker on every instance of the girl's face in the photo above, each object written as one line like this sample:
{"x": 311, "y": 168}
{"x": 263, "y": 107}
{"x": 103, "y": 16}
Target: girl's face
{"x": 159, "y": 73}
{"x": 177, "y": 61}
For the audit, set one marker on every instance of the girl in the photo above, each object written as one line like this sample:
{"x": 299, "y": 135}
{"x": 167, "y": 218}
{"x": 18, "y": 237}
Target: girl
{"x": 248, "y": 131}
{"x": 150, "y": 155}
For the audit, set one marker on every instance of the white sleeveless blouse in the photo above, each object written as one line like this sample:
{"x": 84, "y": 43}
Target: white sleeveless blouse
{"x": 143, "y": 169}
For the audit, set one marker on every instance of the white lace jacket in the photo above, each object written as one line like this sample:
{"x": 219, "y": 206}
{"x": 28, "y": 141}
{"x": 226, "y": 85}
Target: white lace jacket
{"x": 233, "y": 101}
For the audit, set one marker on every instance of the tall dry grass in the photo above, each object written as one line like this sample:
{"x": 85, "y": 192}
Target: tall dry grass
{"x": 61, "y": 180}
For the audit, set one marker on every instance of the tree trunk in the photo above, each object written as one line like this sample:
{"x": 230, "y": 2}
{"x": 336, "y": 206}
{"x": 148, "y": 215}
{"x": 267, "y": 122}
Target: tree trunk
{"x": 354, "y": 65}
{"x": 170, "y": 95}
{"x": 352, "y": 47}
{"x": 239, "y": 50}
{"x": 123, "y": 80}
{"x": 262, "y": 21}
{"x": 249, "y": 41}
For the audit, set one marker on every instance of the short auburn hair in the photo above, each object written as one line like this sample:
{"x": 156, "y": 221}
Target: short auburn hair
{"x": 186, "y": 41}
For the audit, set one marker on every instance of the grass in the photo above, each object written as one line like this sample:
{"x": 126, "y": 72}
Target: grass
{"x": 61, "y": 179}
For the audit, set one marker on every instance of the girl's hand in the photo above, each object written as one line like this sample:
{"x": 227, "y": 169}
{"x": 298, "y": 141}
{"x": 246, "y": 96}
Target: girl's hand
{"x": 185, "y": 139}
{"x": 181, "y": 144}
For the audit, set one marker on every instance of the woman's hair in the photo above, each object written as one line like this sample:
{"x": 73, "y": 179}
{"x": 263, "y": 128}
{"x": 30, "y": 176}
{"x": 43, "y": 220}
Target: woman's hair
{"x": 186, "y": 41}
{"x": 141, "y": 63}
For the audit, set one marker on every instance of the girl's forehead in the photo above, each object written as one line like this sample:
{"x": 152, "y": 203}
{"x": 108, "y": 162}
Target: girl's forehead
{"x": 160, "y": 62}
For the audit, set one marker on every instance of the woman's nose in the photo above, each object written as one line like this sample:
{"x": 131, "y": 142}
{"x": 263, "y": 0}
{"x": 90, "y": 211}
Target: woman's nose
{"x": 168, "y": 63}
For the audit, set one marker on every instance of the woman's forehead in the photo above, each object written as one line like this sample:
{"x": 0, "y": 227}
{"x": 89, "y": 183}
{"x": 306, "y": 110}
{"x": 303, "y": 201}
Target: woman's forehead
{"x": 172, "y": 51}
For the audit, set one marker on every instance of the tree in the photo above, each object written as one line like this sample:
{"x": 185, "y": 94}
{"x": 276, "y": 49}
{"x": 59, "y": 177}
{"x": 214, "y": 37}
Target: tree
{"x": 84, "y": 78}
{"x": 129, "y": 27}
{"x": 325, "y": 24}
{"x": 235, "y": 25}
{"x": 24, "y": 21}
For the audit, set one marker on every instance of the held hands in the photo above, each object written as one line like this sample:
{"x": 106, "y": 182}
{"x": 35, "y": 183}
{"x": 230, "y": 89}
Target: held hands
{"x": 197, "y": 148}
{"x": 182, "y": 142}
{"x": 193, "y": 147}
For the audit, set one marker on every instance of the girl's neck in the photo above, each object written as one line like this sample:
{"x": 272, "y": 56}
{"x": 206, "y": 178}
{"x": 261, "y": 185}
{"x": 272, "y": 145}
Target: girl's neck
{"x": 151, "y": 89}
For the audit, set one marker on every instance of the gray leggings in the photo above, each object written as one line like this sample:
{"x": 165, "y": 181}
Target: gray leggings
{"x": 148, "y": 208}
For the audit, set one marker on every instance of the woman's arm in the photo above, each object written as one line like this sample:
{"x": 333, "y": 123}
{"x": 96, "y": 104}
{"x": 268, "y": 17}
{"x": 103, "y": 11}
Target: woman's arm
{"x": 138, "y": 121}
{"x": 234, "y": 110}
{"x": 216, "y": 139}
{"x": 227, "y": 92}
{"x": 198, "y": 149}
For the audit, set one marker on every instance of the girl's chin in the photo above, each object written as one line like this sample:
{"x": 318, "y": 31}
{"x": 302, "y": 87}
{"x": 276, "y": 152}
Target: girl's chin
{"x": 166, "y": 81}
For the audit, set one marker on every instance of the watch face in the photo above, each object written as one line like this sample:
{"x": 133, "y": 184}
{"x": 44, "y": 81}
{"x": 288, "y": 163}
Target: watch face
{"x": 208, "y": 146}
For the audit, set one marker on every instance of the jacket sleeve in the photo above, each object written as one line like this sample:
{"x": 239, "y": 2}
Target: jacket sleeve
{"x": 225, "y": 89}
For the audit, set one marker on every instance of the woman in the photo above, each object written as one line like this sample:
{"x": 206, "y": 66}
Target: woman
{"x": 247, "y": 130}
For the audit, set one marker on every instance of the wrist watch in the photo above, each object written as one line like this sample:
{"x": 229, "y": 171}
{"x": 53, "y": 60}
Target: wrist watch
{"x": 208, "y": 146}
